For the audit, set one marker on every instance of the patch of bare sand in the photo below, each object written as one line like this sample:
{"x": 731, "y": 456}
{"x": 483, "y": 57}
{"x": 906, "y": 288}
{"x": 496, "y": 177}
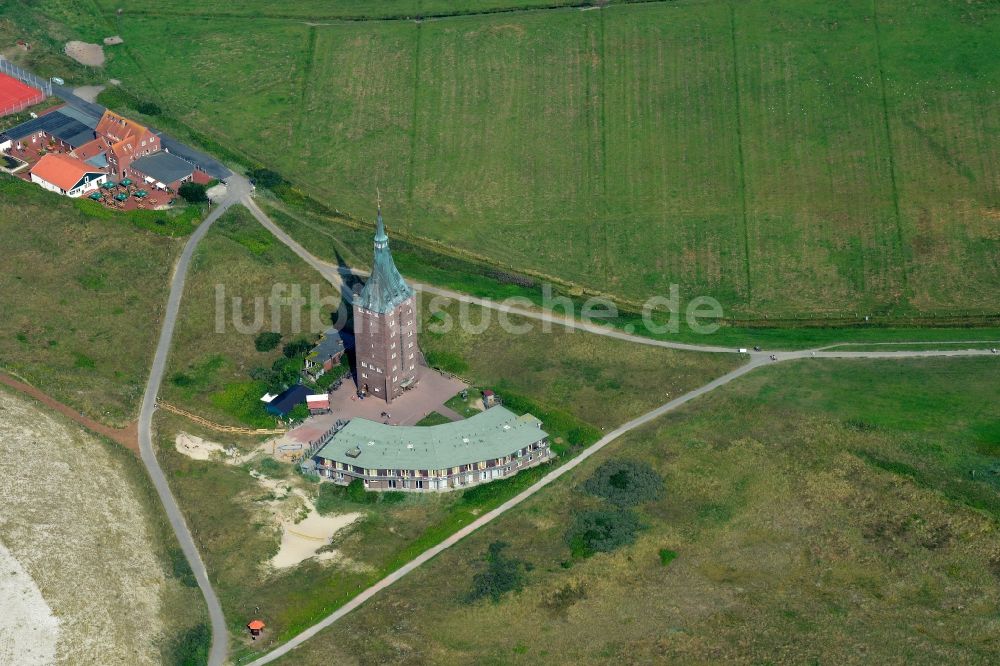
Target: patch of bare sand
{"x": 203, "y": 449}
{"x": 85, "y": 53}
{"x": 29, "y": 631}
{"x": 304, "y": 532}
{"x": 302, "y": 540}
{"x": 88, "y": 93}
{"x": 76, "y": 523}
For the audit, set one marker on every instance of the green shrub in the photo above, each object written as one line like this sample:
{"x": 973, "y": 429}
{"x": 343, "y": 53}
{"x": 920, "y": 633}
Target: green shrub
{"x": 356, "y": 493}
{"x": 190, "y": 648}
{"x": 503, "y": 574}
{"x": 83, "y": 361}
{"x": 266, "y": 341}
{"x": 333, "y": 374}
{"x": 297, "y": 347}
{"x": 667, "y": 556}
{"x": 149, "y": 108}
{"x": 300, "y": 412}
{"x": 265, "y": 178}
{"x": 625, "y": 482}
{"x": 393, "y": 497}
{"x": 193, "y": 192}
{"x": 602, "y": 531}
{"x": 270, "y": 467}
{"x": 329, "y": 498}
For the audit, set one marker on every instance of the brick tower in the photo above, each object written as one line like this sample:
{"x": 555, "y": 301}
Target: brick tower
{"x": 385, "y": 330}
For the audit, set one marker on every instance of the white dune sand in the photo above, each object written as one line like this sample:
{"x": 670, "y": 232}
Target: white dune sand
{"x": 29, "y": 631}
{"x": 300, "y": 541}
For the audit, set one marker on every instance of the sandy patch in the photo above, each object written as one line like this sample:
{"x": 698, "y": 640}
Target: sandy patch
{"x": 280, "y": 489}
{"x": 303, "y": 530}
{"x": 72, "y": 517}
{"x": 217, "y": 192}
{"x": 84, "y": 53}
{"x": 202, "y": 449}
{"x": 300, "y": 541}
{"x": 29, "y": 631}
{"x": 88, "y": 93}
{"x": 113, "y": 40}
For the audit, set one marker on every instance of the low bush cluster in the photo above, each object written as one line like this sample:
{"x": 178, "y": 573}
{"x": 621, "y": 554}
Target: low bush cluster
{"x": 503, "y": 574}
{"x": 602, "y": 531}
{"x": 625, "y": 483}
{"x": 266, "y": 341}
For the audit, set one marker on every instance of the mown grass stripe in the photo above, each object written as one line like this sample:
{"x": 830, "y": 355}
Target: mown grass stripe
{"x": 739, "y": 152}
{"x": 891, "y": 152}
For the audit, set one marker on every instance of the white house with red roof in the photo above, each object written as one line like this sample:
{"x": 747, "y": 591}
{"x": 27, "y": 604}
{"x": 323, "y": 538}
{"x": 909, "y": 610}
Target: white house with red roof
{"x": 66, "y": 175}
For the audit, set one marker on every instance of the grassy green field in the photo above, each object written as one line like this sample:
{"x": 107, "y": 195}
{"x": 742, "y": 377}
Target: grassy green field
{"x": 209, "y": 369}
{"x": 82, "y": 297}
{"x": 347, "y": 244}
{"x": 790, "y": 159}
{"x": 343, "y": 9}
{"x": 818, "y": 510}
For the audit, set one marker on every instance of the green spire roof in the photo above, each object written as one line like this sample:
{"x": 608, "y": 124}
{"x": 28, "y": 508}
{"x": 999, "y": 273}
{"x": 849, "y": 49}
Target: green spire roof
{"x": 385, "y": 288}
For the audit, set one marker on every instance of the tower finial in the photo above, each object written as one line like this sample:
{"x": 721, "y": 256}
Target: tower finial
{"x": 381, "y": 239}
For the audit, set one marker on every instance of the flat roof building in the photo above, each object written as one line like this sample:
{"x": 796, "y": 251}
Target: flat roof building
{"x": 487, "y": 446}
{"x": 70, "y": 127}
{"x": 163, "y": 170}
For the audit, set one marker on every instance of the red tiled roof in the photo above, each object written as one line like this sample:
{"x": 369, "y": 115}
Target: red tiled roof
{"x": 256, "y": 625}
{"x": 90, "y": 149}
{"x": 62, "y": 171}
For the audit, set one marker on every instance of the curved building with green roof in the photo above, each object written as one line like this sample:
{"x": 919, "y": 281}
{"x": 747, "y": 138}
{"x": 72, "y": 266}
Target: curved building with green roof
{"x": 490, "y": 445}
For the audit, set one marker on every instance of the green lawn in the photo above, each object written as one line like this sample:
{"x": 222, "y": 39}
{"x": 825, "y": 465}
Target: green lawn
{"x": 795, "y": 160}
{"x": 433, "y": 419}
{"x": 806, "y": 503}
{"x": 82, "y": 296}
{"x": 210, "y": 367}
{"x": 465, "y": 407}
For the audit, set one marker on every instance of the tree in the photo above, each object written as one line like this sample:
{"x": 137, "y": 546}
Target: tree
{"x": 148, "y": 108}
{"x": 265, "y": 178}
{"x": 297, "y": 347}
{"x": 625, "y": 482}
{"x": 193, "y": 192}
{"x": 266, "y": 341}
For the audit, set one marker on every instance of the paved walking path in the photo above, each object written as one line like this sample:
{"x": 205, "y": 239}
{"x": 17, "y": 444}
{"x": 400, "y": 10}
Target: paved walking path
{"x": 220, "y": 633}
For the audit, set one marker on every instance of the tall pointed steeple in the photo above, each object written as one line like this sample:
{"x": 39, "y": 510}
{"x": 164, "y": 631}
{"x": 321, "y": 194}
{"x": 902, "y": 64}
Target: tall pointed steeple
{"x": 385, "y": 328}
{"x": 385, "y": 288}
{"x": 381, "y": 239}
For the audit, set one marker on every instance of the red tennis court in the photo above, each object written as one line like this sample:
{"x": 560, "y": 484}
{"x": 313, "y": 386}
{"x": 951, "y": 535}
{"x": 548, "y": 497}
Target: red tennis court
{"x": 16, "y": 96}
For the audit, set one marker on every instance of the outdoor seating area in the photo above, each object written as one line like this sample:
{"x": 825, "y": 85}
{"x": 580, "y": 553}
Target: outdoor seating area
{"x": 126, "y": 194}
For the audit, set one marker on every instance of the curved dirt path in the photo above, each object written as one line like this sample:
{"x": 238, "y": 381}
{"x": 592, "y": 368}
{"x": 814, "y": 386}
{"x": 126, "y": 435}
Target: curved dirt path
{"x": 127, "y": 437}
{"x": 220, "y": 633}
